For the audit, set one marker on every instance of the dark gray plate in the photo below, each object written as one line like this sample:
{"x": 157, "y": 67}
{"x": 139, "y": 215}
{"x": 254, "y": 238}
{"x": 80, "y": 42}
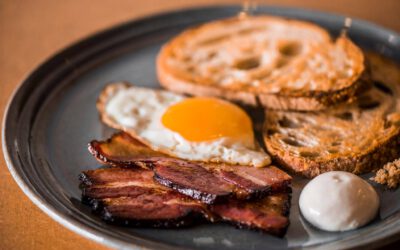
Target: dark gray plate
{"x": 52, "y": 117}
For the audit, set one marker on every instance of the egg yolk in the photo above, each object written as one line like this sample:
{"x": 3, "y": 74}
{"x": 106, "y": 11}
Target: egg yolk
{"x": 203, "y": 119}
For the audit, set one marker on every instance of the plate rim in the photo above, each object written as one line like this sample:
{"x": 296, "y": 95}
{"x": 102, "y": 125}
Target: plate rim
{"x": 91, "y": 233}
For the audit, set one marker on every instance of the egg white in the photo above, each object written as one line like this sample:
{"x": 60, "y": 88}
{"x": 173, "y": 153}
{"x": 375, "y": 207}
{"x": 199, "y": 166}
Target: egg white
{"x": 141, "y": 109}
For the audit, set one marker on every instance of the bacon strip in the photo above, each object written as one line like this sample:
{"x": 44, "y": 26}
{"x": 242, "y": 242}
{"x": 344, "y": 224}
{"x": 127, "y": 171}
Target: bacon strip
{"x": 268, "y": 214}
{"x": 131, "y": 196}
{"x": 208, "y": 182}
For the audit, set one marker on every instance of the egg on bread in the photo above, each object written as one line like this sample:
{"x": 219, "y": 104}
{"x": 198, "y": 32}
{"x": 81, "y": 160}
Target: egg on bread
{"x": 193, "y": 128}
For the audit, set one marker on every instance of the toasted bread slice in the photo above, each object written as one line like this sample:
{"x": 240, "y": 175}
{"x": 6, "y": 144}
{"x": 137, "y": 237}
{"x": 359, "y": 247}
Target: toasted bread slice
{"x": 280, "y": 63}
{"x": 356, "y": 138}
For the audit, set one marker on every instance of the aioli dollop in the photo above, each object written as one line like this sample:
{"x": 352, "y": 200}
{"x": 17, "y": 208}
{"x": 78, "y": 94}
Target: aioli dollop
{"x": 338, "y": 201}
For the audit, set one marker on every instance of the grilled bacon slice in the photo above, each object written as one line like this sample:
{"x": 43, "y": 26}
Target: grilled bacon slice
{"x": 131, "y": 196}
{"x": 192, "y": 180}
{"x": 208, "y": 182}
{"x": 121, "y": 150}
{"x": 269, "y": 213}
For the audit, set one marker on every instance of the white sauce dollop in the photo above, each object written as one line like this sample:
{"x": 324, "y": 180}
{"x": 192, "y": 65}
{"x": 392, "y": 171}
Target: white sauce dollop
{"x": 338, "y": 201}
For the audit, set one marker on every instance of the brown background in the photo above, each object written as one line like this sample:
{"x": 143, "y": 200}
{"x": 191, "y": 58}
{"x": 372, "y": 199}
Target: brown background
{"x": 32, "y": 30}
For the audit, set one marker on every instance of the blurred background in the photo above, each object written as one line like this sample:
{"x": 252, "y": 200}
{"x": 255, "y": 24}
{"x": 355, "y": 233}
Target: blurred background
{"x": 33, "y": 30}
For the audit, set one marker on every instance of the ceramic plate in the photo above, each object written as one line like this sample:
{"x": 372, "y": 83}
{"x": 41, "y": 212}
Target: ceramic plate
{"x": 52, "y": 117}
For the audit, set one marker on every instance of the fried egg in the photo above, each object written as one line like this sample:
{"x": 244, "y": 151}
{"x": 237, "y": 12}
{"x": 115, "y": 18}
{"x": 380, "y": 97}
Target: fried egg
{"x": 197, "y": 128}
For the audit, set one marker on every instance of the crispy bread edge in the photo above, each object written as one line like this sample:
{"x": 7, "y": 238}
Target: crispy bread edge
{"x": 362, "y": 163}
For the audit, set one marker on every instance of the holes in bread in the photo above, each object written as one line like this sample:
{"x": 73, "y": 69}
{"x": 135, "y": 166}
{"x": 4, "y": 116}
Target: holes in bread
{"x": 333, "y": 151}
{"x": 309, "y": 154}
{"x": 287, "y": 123}
{"x": 190, "y": 68}
{"x": 247, "y": 63}
{"x": 367, "y": 102}
{"x": 211, "y": 55}
{"x": 292, "y": 142}
{"x": 281, "y": 62}
{"x": 186, "y": 58}
{"x": 392, "y": 119}
{"x": 386, "y": 124}
{"x": 271, "y": 131}
{"x": 290, "y": 48}
{"x": 369, "y": 105}
{"x": 382, "y": 87}
{"x": 347, "y": 116}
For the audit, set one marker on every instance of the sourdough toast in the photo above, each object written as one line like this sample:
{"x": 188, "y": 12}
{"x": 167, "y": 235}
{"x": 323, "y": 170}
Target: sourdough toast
{"x": 280, "y": 63}
{"x": 357, "y": 137}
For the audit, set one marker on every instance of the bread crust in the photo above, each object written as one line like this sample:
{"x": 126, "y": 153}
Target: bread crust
{"x": 181, "y": 81}
{"x": 360, "y": 164}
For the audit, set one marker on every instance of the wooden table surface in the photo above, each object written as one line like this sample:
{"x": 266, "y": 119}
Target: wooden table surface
{"x": 32, "y": 30}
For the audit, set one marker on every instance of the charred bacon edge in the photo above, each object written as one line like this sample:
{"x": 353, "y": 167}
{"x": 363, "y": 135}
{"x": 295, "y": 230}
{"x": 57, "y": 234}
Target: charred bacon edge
{"x": 102, "y": 157}
{"x": 99, "y": 208}
{"x": 150, "y": 162}
{"x": 279, "y": 232}
{"x": 193, "y": 193}
{"x": 192, "y": 217}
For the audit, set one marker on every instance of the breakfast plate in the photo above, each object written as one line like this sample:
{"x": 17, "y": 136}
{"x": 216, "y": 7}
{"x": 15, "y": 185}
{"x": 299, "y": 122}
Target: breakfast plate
{"x": 52, "y": 116}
